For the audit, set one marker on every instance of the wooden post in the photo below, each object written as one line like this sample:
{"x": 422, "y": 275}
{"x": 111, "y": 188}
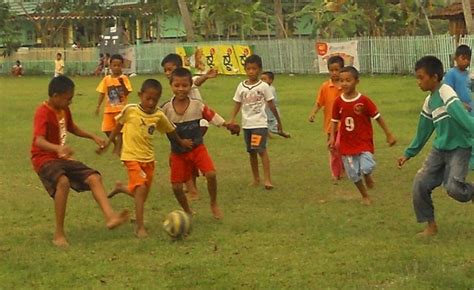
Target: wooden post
{"x": 280, "y": 27}
{"x": 466, "y": 7}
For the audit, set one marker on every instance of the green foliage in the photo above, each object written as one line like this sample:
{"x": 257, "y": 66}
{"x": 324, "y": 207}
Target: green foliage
{"x": 9, "y": 33}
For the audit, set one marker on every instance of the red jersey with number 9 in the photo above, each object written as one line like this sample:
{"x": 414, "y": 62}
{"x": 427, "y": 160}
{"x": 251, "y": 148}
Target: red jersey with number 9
{"x": 356, "y": 127}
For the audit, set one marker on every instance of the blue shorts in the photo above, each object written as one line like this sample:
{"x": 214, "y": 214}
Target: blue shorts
{"x": 356, "y": 165}
{"x": 256, "y": 139}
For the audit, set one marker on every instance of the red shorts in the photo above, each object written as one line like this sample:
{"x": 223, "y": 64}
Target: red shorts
{"x": 139, "y": 173}
{"x": 182, "y": 164}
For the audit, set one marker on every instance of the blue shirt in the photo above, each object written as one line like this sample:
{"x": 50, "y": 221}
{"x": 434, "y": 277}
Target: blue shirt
{"x": 460, "y": 82}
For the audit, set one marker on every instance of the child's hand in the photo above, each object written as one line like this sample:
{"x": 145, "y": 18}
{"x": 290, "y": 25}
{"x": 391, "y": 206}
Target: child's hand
{"x": 233, "y": 128}
{"x": 311, "y": 118}
{"x": 99, "y": 141}
{"x": 97, "y": 110}
{"x": 391, "y": 139}
{"x": 402, "y": 160}
{"x": 64, "y": 152}
{"x": 279, "y": 128}
{"x": 331, "y": 144}
{"x": 212, "y": 73}
{"x": 186, "y": 143}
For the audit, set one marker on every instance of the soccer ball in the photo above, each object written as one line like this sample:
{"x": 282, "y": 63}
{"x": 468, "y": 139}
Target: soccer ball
{"x": 177, "y": 224}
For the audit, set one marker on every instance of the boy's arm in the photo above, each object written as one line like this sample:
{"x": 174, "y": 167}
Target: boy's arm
{"x": 272, "y": 107}
{"x": 314, "y": 111}
{"x": 423, "y": 133}
{"x": 62, "y": 151}
{"x": 210, "y": 74}
{"x": 186, "y": 143}
{"x": 332, "y": 135}
{"x": 99, "y": 103}
{"x": 390, "y": 138}
{"x": 235, "y": 111}
{"x": 457, "y": 111}
{"x": 84, "y": 134}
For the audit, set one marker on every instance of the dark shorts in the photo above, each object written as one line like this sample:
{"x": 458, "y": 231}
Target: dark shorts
{"x": 256, "y": 139}
{"x": 77, "y": 173}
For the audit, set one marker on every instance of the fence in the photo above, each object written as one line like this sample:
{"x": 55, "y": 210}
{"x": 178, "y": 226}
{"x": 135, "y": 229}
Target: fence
{"x": 393, "y": 55}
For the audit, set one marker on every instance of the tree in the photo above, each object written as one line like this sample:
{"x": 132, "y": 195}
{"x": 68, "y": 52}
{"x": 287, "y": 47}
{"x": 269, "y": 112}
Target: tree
{"x": 188, "y": 25}
{"x": 466, "y": 7}
{"x": 9, "y": 35}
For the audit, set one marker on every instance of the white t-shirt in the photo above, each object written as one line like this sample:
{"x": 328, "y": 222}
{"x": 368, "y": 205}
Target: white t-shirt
{"x": 253, "y": 99}
{"x": 194, "y": 93}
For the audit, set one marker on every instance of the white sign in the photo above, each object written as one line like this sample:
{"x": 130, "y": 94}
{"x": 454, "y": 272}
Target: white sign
{"x": 347, "y": 50}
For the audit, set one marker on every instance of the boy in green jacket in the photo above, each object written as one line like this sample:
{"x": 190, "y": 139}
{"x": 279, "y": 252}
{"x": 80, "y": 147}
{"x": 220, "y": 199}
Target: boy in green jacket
{"x": 448, "y": 162}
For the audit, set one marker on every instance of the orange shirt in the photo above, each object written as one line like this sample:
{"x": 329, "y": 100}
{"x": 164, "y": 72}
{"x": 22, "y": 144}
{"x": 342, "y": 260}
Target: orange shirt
{"x": 116, "y": 90}
{"x": 328, "y": 93}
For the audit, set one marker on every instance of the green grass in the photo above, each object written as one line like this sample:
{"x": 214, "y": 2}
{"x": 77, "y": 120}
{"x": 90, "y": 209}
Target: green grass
{"x": 306, "y": 233}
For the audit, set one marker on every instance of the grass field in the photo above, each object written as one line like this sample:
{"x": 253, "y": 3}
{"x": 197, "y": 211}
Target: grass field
{"x": 305, "y": 234}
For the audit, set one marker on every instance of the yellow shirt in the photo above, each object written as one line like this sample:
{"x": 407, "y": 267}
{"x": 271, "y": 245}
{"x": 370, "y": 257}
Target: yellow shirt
{"x": 59, "y": 66}
{"x": 116, "y": 90}
{"x": 138, "y": 131}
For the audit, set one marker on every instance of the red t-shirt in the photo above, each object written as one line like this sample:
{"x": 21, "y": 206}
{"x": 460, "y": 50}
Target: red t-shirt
{"x": 52, "y": 125}
{"x": 356, "y": 127}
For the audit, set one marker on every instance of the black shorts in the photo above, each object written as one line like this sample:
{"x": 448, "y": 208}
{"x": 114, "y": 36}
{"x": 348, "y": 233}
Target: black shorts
{"x": 256, "y": 139}
{"x": 77, "y": 173}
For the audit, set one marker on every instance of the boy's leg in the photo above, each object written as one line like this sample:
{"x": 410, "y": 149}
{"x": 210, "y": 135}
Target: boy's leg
{"x": 254, "y": 166}
{"x": 113, "y": 219}
{"x": 212, "y": 189}
{"x": 353, "y": 170}
{"x": 455, "y": 176}
{"x": 181, "y": 197}
{"x": 120, "y": 188}
{"x": 60, "y": 201}
{"x": 428, "y": 178}
{"x": 140, "y": 194}
{"x": 266, "y": 169}
{"x": 367, "y": 165}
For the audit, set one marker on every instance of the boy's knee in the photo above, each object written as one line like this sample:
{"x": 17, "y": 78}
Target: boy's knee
{"x": 177, "y": 187}
{"x": 63, "y": 182}
{"x": 210, "y": 175}
{"x": 94, "y": 179}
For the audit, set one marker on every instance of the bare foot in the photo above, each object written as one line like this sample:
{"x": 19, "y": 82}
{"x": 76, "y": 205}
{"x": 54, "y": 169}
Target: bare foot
{"x": 141, "y": 233}
{"x": 369, "y": 181}
{"x": 284, "y": 134}
{"x": 118, "y": 219}
{"x": 268, "y": 185}
{"x": 429, "y": 231}
{"x": 366, "y": 201}
{"x": 216, "y": 212}
{"x": 60, "y": 242}
{"x": 255, "y": 183}
{"x": 119, "y": 188}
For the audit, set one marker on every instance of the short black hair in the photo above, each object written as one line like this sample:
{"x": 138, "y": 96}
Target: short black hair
{"x": 60, "y": 85}
{"x": 172, "y": 58}
{"x": 116, "y": 56}
{"x": 463, "y": 50}
{"x": 432, "y": 65}
{"x": 181, "y": 72}
{"x": 336, "y": 59}
{"x": 151, "y": 84}
{"x": 352, "y": 70}
{"x": 59, "y": 54}
{"x": 270, "y": 74}
{"x": 253, "y": 59}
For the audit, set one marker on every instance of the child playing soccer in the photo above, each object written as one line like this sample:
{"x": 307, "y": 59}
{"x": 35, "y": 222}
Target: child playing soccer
{"x": 447, "y": 163}
{"x": 458, "y": 78}
{"x": 115, "y": 88}
{"x": 354, "y": 111}
{"x": 139, "y": 124}
{"x": 186, "y": 114}
{"x": 58, "y": 65}
{"x": 52, "y": 161}
{"x": 329, "y": 91}
{"x": 269, "y": 77}
{"x": 252, "y": 96}
{"x": 169, "y": 63}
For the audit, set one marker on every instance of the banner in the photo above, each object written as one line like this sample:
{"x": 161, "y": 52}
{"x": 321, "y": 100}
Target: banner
{"x": 347, "y": 50}
{"x": 129, "y": 60}
{"x": 227, "y": 59}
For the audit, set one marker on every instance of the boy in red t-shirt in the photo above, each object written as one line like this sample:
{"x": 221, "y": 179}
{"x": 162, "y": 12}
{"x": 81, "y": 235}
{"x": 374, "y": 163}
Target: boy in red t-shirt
{"x": 354, "y": 111}
{"x": 52, "y": 161}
